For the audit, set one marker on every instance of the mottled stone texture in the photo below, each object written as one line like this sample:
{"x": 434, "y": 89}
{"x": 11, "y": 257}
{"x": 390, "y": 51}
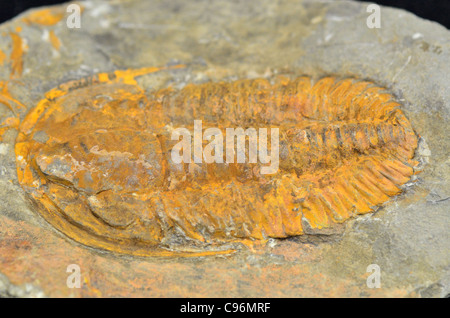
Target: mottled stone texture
{"x": 228, "y": 40}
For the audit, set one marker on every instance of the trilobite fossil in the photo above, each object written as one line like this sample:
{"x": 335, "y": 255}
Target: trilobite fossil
{"x": 94, "y": 156}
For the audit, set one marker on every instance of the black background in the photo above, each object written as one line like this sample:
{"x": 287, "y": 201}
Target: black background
{"x": 436, "y": 10}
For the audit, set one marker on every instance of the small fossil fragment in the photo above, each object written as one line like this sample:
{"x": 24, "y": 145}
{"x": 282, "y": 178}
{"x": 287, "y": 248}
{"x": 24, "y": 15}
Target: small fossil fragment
{"x": 95, "y": 157}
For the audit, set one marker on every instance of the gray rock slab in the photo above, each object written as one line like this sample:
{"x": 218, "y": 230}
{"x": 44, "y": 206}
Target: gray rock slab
{"x": 408, "y": 238}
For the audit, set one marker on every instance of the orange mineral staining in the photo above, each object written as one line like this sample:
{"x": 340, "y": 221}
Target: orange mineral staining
{"x": 2, "y": 57}
{"x": 13, "y": 105}
{"x": 54, "y": 40}
{"x": 16, "y": 55}
{"x": 94, "y": 156}
{"x": 45, "y": 17}
{"x": 49, "y": 16}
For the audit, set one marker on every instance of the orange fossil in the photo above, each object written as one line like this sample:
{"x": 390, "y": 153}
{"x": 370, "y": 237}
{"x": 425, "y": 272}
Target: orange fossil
{"x": 95, "y": 157}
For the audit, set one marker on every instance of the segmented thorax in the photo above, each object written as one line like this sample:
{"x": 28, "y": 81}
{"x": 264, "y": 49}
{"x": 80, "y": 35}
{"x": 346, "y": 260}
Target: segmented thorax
{"x": 96, "y": 158}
